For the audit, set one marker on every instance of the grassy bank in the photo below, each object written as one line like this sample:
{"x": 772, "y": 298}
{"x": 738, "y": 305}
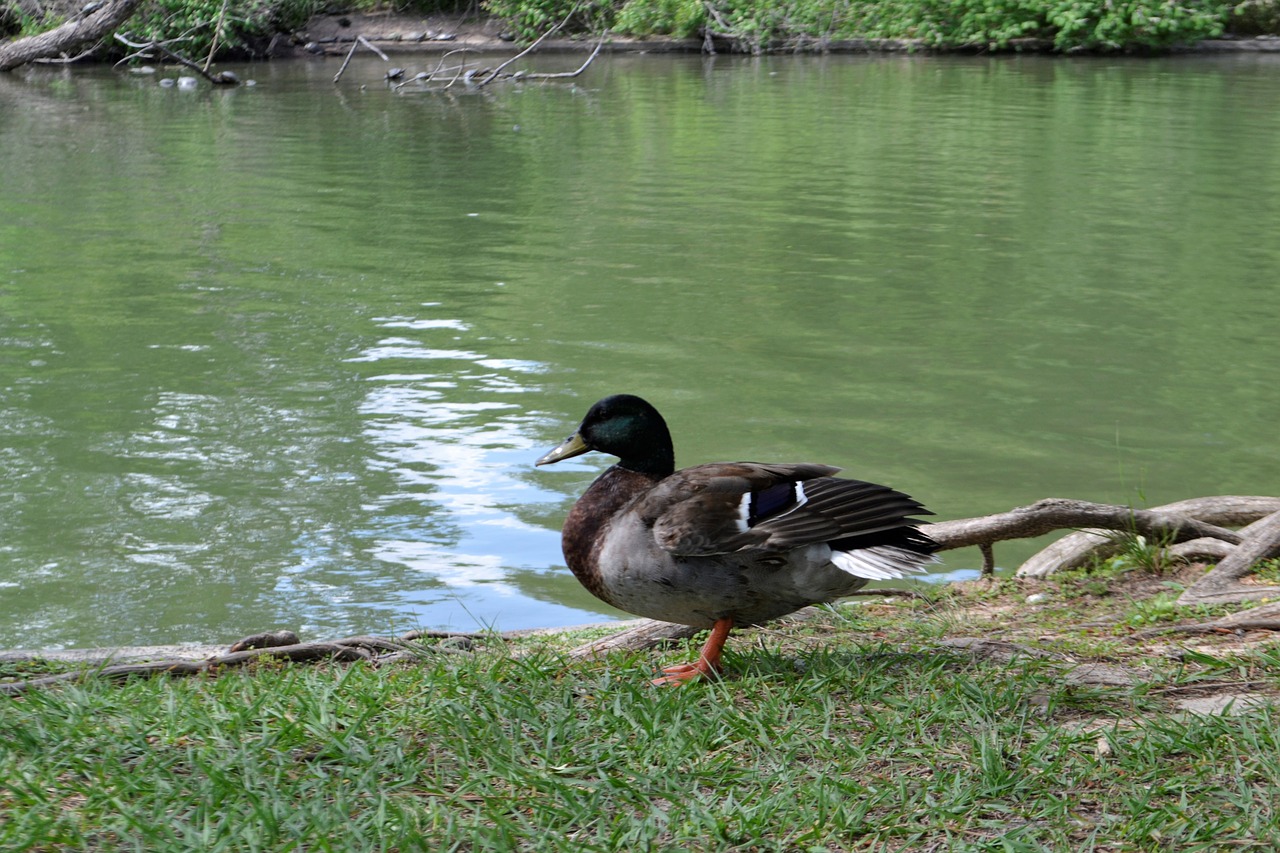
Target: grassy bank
{"x": 869, "y": 728}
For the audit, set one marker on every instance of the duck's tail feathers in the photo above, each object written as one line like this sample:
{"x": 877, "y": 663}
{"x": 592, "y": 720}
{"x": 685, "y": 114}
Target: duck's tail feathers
{"x": 885, "y": 555}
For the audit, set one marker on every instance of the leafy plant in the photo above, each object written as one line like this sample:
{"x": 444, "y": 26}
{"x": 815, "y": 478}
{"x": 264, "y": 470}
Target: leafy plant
{"x": 532, "y": 18}
{"x": 18, "y": 22}
{"x": 680, "y": 18}
{"x": 1069, "y": 25}
{"x": 1268, "y": 570}
{"x": 1255, "y": 17}
{"x": 1119, "y": 25}
{"x": 1138, "y": 552}
{"x": 1154, "y": 610}
{"x": 190, "y": 26}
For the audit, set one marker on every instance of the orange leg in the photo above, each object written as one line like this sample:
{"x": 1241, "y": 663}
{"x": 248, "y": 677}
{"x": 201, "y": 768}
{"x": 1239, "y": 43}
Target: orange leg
{"x": 708, "y": 664}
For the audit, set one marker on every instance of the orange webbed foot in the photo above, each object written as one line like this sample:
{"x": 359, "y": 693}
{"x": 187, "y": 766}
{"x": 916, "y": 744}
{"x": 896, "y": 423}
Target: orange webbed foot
{"x": 708, "y": 665}
{"x": 685, "y": 673}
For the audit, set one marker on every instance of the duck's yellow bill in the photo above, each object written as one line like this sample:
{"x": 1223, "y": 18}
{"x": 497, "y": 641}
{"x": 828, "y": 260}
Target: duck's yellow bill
{"x": 571, "y": 446}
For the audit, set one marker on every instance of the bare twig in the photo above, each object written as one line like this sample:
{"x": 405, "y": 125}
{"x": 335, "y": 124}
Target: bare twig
{"x": 462, "y": 70}
{"x": 217, "y": 34}
{"x": 69, "y": 60}
{"x": 440, "y": 65}
{"x": 440, "y": 69}
{"x": 530, "y": 49}
{"x": 360, "y": 40}
{"x": 346, "y": 61}
{"x": 565, "y": 74}
{"x": 364, "y": 41}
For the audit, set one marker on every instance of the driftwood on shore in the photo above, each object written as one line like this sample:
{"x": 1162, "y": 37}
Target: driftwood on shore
{"x": 1193, "y": 522}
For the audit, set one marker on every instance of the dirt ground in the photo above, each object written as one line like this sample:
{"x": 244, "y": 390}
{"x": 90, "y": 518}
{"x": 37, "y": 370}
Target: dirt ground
{"x": 397, "y": 32}
{"x": 394, "y": 32}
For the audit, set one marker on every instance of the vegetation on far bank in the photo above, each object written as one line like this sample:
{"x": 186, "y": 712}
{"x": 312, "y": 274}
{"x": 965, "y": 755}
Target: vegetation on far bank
{"x": 1066, "y": 25}
{"x": 245, "y": 27}
{"x": 871, "y": 727}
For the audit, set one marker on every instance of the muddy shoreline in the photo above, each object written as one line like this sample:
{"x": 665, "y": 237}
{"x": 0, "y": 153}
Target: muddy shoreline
{"x": 395, "y": 33}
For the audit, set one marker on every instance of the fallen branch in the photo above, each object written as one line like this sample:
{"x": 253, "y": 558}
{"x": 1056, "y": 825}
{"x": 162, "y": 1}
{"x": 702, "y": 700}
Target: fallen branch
{"x": 530, "y": 49}
{"x": 530, "y": 75}
{"x": 222, "y": 78}
{"x": 1171, "y": 523}
{"x": 439, "y": 69}
{"x": 70, "y": 35}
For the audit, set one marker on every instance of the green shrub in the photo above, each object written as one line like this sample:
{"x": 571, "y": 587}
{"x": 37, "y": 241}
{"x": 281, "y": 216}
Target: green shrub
{"x": 1120, "y": 25}
{"x": 532, "y": 18}
{"x": 189, "y": 26}
{"x": 1069, "y": 24}
{"x": 1255, "y": 17}
{"x": 680, "y": 18}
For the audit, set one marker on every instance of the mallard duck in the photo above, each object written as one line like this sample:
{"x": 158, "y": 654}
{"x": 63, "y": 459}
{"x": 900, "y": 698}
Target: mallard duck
{"x": 725, "y": 544}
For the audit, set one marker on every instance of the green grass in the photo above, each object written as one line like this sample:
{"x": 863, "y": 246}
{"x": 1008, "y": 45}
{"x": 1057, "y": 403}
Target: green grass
{"x": 844, "y": 734}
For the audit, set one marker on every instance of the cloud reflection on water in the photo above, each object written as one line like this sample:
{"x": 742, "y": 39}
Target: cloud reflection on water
{"x": 449, "y": 425}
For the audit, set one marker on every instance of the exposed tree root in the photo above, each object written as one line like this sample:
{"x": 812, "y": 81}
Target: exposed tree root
{"x": 1163, "y": 524}
{"x": 380, "y": 650}
{"x": 1263, "y": 618}
{"x": 1083, "y": 546}
{"x": 1223, "y": 583}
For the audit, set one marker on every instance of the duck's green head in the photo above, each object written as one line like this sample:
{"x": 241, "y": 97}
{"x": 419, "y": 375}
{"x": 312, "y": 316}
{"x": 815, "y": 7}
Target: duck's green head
{"x": 627, "y": 427}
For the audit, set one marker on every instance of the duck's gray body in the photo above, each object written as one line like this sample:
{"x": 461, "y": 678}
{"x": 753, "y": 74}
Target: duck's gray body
{"x": 686, "y": 548}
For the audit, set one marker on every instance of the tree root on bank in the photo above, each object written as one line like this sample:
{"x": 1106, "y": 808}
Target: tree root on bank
{"x": 1195, "y": 522}
{"x": 1224, "y": 582}
{"x": 1263, "y": 618}
{"x": 278, "y": 644}
{"x": 1088, "y": 545}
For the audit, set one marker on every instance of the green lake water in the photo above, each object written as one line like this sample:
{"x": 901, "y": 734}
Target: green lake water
{"x": 283, "y": 356}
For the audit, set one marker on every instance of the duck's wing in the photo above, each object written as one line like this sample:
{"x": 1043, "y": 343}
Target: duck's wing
{"x": 730, "y": 507}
